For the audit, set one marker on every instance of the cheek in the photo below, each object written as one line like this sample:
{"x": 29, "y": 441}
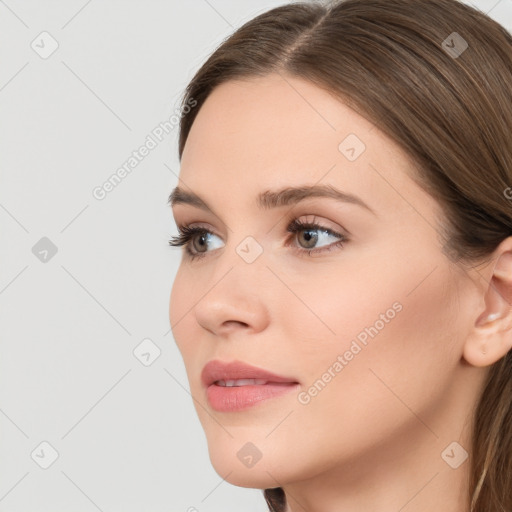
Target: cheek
{"x": 400, "y": 306}
{"x": 176, "y": 301}
{"x": 395, "y": 344}
{"x": 180, "y": 314}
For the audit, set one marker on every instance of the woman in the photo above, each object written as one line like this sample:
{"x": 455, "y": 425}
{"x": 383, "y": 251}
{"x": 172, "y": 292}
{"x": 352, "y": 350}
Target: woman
{"x": 343, "y": 303}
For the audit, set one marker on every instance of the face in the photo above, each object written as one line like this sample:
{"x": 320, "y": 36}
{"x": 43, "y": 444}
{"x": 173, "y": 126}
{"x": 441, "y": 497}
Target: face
{"x": 352, "y": 301}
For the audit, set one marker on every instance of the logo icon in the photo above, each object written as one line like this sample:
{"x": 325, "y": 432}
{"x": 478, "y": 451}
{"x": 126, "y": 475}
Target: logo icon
{"x": 249, "y": 455}
{"x": 44, "y": 250}
{"x": 455, "y": 45}
{"x": 249, "y": 249}
{"x": 44, "y": 45}
{"x": 352, "y": 147}
{"x": 146, "y": 352}
{"x": 454, "y": 455}
{"x": 44, "y": 455}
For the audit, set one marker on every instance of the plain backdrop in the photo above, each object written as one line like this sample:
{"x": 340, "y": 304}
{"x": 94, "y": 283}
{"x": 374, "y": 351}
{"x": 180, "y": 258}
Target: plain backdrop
{"x": 95, "y": 412}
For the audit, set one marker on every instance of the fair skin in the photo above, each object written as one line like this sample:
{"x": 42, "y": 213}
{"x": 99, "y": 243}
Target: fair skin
{"x": 372, "y": 438}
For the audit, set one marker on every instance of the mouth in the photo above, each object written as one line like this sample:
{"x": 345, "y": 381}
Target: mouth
{"x": 237, "y": 386}
{"x": 246, "y": 382}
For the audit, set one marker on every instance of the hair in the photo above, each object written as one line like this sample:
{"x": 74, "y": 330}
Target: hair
{"x": 390, "y": 61}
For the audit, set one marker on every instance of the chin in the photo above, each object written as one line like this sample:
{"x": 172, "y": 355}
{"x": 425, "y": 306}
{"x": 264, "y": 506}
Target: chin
{"x": 244, "y": 465}
{"x": 254, "y": 478}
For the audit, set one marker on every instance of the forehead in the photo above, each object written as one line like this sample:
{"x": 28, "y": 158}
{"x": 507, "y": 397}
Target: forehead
{"x": 268, "y": 117}
{"x": 274, "y": 131}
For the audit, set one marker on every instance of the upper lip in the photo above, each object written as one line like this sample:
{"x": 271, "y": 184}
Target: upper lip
{"x": 218, "y": 370}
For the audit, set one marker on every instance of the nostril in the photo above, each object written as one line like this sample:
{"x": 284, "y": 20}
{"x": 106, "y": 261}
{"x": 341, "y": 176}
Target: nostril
{"x": 234, "y": 323}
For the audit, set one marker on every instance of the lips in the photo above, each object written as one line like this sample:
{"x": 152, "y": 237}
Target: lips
{"x": 236, "y": 386}
{"x": 237, "y": 373}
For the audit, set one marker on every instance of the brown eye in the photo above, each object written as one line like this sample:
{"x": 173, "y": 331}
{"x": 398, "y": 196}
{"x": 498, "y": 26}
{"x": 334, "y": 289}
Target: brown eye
{"x": 194, "y": 239}
{"x": 309, "y": 240}
{"x": 202, "y": 242}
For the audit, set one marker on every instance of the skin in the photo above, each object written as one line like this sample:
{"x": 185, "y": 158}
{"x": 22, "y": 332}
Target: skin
{"x": 372, "y": 438}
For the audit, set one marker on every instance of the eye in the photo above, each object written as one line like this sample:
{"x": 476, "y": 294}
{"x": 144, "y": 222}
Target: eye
{"x": 313, "y": 234}
{"x": 194, "y": 239}
{"x": 197, "y": 240}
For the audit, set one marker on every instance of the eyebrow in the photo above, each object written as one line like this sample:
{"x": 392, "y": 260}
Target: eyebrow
{"x": 275, "y": 199}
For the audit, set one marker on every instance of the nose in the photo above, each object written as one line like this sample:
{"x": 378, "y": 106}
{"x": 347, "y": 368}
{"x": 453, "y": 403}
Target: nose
{"x": 234, "y": 302}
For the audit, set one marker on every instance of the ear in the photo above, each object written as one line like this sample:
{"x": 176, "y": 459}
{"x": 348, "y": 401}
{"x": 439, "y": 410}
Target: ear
{"x": 491, "y": 336}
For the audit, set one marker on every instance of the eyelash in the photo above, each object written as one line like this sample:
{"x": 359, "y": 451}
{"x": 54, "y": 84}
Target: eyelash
{"x": 186, "y": 233}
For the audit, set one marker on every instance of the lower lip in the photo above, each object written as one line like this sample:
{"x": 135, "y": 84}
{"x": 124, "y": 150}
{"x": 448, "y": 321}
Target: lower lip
{"x": 237, "y": 398}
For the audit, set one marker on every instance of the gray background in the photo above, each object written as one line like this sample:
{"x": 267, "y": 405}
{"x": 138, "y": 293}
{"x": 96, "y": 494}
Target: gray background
{"x": 124, "y": 427}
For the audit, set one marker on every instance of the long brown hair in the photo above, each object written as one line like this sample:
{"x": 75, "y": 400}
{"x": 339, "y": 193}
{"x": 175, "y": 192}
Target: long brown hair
{"x": 436, "y": 77}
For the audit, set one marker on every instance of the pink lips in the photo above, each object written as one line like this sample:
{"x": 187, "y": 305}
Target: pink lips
{"x": 228, "y": 389}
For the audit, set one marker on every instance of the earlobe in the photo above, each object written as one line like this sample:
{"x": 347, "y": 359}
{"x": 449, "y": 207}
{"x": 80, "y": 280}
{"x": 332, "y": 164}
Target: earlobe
{"x": 491, "y": 336}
